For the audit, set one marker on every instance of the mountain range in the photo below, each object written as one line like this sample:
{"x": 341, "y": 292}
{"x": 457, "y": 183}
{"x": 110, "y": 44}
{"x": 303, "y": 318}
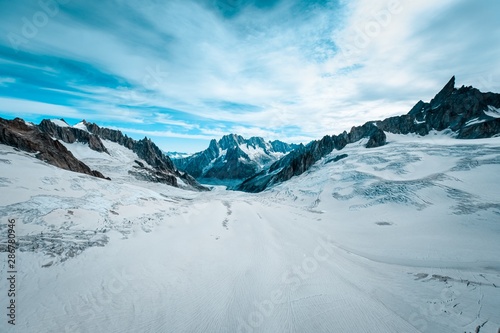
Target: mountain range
{"x": 251, "y": 165}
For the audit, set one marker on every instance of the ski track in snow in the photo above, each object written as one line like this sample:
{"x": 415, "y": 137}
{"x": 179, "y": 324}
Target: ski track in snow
{"x": 402, "y": 238}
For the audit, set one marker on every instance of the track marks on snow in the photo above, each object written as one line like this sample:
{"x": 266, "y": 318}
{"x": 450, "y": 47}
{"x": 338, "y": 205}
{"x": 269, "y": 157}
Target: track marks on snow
{"x": 225, "y": 222}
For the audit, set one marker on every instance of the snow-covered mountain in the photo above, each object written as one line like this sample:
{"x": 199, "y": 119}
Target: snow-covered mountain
{"x": 89, "y": 149}
{"x": 233, "y": 158}
{"x": 466, "y": 113}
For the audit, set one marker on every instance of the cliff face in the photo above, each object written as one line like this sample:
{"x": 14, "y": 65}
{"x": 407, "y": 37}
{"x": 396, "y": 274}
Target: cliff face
{"x": 30, "y": 138}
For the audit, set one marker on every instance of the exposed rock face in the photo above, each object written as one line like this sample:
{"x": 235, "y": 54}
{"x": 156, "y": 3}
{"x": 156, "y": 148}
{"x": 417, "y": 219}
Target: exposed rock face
{"x": 337, "y": 158}
{"x": 377, "y": 139}
{"x": 18, "y": 134}
{"x": 482, "y": 130}
{"x": 142, "y": 172}
{"x": 72, "y": 134}
{"x": 144, "y": 148}
{"x": 233, "y": 157}
{"x": 282, "y": 147}
{"x": 150, "y": 152}
{"x": 466, "y": 111}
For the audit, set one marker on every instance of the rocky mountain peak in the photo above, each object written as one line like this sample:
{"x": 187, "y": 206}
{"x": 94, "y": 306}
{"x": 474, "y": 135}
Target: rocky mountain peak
{"x": 213, "y": 146}
{"x": 418, "y": 108}
{"x": 464, "y": 111}
{"x": 150, "y": 152}
{"x": 256, "y": 141}
{"x": 447, "y": 90}
{"x": 231, "y": 141}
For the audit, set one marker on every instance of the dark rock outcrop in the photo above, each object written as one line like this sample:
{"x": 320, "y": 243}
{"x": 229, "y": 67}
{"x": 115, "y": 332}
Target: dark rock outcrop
{"x": 482, "y": 130}
{"x": 376, "y": 137}
{"x": 16, "y": 133}
{"x": 144, "y": 148}
{"x": 337, "y": 158}
{"x": 282, "y": 147}
{"x": 153, "y": 155}
{"x": 142, "y": 172}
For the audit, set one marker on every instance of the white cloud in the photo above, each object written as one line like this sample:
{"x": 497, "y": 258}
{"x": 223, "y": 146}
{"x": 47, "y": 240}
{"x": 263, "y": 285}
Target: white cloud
{"x": 162, "y": 134}
{"x": 20, "y": 107}
{"x": 5, "y": 81}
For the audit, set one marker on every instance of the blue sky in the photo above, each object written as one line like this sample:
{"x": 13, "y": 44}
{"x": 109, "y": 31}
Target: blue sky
{"x": 185, "y": 71}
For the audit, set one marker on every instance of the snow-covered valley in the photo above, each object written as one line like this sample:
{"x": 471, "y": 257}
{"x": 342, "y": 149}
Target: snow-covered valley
{"x": 400, "y": 238}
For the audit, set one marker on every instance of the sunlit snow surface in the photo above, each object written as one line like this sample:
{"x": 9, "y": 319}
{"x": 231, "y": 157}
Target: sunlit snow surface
{"x": 401, "y": 238}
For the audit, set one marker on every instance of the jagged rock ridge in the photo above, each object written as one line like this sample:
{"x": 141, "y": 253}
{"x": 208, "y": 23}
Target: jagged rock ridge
{"x": 468, "y": 112}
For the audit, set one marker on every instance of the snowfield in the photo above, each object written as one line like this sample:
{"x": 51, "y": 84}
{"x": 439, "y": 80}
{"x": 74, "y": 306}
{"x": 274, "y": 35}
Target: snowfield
{"x": 401, "y": 238}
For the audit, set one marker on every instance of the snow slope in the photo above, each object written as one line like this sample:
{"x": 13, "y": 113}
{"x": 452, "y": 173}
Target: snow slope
{"x": 493, "y": 112}
{"x": 401, "y": 238}
{"x": 60, "y": 122}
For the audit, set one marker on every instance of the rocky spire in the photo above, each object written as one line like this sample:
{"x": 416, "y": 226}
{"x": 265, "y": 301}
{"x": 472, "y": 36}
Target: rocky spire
{"x": 448, "y": 89}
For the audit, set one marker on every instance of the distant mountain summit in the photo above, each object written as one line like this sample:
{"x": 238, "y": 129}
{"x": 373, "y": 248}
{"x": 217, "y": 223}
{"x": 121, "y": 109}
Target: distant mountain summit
{"x": 233, "y": 158}
{"x": 466, "y": 112}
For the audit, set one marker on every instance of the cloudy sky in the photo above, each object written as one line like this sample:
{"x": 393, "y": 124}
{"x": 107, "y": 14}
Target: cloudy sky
{"x": 185, "y": 71}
